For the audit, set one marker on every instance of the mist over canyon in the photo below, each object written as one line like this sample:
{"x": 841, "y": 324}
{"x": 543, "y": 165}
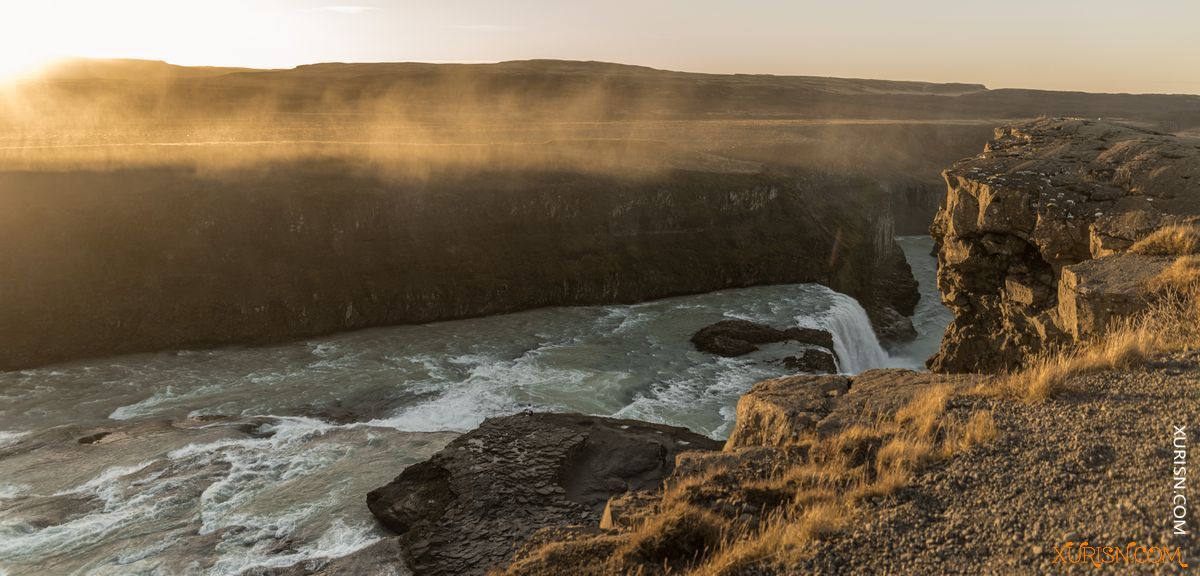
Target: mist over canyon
{"x": 548, "y": 317}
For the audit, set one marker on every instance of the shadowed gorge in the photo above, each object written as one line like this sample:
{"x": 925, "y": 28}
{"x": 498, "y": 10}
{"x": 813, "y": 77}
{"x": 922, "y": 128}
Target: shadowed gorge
{"x": 180, "y": 206}
{"x": 147, "y": 259}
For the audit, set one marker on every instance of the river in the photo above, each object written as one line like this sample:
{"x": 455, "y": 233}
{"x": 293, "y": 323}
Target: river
{"x": 217, "y": 461}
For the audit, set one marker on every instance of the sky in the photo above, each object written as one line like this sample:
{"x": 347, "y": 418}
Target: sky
{"x": 1090, "y": 45}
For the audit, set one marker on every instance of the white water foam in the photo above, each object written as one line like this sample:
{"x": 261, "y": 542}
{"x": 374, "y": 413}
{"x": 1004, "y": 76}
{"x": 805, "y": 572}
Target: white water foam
{"x": 689, "y": 392}
{"x": 150, "y": 491}
{"x": 118, "y": 512}
{"x": 10, "y": 491}
{"x": 7, "y": 437}
{"x": 493, "y": 387}
{"x": 152, "y": 404}
{"x": 340, "y": 539}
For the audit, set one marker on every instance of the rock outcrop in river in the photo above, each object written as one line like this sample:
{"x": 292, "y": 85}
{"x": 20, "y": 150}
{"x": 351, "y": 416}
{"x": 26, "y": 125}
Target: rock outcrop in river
{"x": 1035, "y": 234}
{"x": 731, "y": 338}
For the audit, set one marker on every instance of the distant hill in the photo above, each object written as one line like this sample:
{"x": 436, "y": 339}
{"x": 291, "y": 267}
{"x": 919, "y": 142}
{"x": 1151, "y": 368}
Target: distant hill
{"x": 572, "y": 90}
{"x": 129, "y": 69}
{"x": 613, "y": 71}
{"x": 142, "y": 70}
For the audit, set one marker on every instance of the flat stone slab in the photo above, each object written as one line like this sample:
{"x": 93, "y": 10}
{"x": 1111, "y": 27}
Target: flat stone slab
{"x": 1095, "y": 293}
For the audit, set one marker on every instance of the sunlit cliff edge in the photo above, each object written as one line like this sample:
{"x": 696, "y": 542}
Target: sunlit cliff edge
{"x": 1036, "y": 235}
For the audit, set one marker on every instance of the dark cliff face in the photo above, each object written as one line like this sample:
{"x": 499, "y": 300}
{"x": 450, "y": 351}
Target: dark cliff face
{"x": 466, "y": 509}
{"x": 1034, "y": 234}
{"x": 99, "y": 263}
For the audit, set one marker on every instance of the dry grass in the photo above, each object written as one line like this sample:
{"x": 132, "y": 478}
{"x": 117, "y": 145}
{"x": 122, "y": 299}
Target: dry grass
{"x": 822, "y": 521}
{"x": 1050, "y": 374}
{"x": 1182, "y": 276}
{"x": 677, "y": 535}
{"x": 1176, "y": 240}
{"x": 904, "y": 453}
{"x": 1170, "y": 323}
{"x": 694, "y": 532}
{"x": 782, "y": 540}
{"x": 980, "y": 428}
{"x": 924, "y": 411}
{"x": 859, "y": 464}
{"x": 701, "y": 526}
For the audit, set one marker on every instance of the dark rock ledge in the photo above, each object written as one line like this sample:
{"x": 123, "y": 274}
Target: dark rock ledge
{"x": 467, "y": 508}
{"x": 731, "y": 338}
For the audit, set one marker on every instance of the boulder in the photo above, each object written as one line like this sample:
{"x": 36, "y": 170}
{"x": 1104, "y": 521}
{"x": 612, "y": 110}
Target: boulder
{"x": 812, "y": 361}
{"x": 737, "y": 337}
{"x": 891, "y": 325}
{"x": 1094, "y": 294}
{"x": 782, "y": 410}
{"x": 470, "y": 506}
{"x": 779, "y": 412}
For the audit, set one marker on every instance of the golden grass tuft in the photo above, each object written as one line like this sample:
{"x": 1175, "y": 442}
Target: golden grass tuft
{"x": 782, "y": 540}
{"x": 1175, "y": 240}
{"x": 925, "y": 410}
{"x": 1170, "y": 323}
{"x": 980, "y": 428}
{"x": 904, "y": 453}
{"x": 678, "y": 535}
{"x": 774, "y": 542}
{"x": 821, "y": 520}
{"x": 1050, "y": 374}
{"x": 1182, "y": 276}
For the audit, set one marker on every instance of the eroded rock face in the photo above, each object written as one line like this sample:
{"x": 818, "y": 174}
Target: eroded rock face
{"x": 466, "y": 509}
{"x": 1019, "y": 219}
{"x": 778, "y": 411}
{"x": 149, "y": 259}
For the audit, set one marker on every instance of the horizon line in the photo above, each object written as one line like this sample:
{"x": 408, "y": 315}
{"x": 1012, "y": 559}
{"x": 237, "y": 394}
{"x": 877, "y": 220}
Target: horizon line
{"x": 65, "y": 59}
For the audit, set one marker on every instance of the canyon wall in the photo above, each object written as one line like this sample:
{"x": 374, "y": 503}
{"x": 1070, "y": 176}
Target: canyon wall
{"x": 1035, "y": 232}
{"x": 130, "y": 260}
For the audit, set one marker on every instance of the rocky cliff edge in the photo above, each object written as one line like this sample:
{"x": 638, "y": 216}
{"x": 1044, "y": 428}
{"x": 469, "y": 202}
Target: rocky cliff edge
{"x": 1036, "y": 231}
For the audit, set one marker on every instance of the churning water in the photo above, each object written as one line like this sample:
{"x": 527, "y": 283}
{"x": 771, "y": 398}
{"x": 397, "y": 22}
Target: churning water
{"x": 213, "y": 462}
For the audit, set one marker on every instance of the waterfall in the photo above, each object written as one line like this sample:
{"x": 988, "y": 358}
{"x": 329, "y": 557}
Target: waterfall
{"x": 854, "y": 341}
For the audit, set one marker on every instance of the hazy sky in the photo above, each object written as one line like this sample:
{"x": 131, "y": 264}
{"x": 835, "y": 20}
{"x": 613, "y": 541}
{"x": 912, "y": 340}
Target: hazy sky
{"x": 1094, "y": 45}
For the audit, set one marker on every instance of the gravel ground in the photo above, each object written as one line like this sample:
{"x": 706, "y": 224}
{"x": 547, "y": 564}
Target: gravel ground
{"x": 1095, "y": 465}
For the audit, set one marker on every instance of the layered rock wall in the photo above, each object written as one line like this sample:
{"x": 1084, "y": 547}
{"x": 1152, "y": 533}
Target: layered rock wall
{"x": 1035, "y": 231}
{"x": 107, "y": 262}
